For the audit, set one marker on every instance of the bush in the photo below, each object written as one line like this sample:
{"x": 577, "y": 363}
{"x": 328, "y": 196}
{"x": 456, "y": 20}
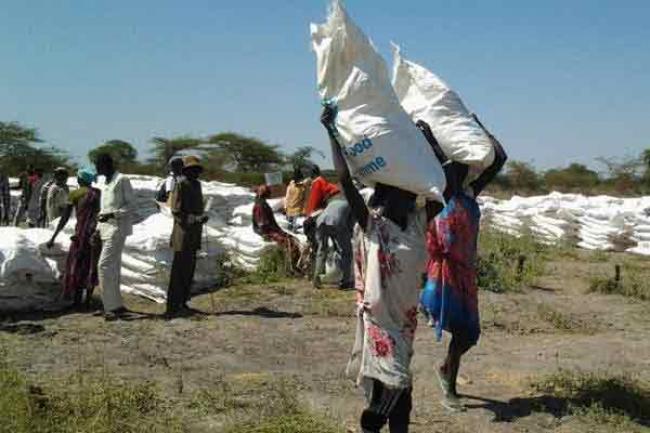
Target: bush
{"x": 631, "y": 283}
{"x": 606, "y": 397}
{"x": 507, "y": 263}
{"x": 81, "y": 406}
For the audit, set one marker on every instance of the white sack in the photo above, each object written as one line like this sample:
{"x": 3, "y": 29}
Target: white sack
{"x": 426, "y": 97}
{"x": 381, "y": 143}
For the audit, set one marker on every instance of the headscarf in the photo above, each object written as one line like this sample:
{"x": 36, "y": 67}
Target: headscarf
{"x": 88, "y": 175}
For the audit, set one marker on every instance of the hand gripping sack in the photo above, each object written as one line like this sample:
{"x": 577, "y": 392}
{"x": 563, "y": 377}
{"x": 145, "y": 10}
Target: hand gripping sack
{"x": 380, "y": 141}
{"x": 426, "y": 97}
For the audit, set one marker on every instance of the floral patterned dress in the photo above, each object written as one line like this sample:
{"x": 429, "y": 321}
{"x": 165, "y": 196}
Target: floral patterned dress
{"x": 450, "y": 296}
{"x": 389, "y": 263}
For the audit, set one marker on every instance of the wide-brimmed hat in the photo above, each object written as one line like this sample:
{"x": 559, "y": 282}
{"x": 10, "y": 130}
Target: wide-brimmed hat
{"x": 191, "y": 161}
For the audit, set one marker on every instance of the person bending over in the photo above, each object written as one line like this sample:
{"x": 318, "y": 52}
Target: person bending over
{"x": 81, "y": 265}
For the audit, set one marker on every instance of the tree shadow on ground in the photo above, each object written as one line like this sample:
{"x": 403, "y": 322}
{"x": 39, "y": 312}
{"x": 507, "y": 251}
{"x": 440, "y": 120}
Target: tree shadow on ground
{"x": 261, "y": 312}
{"x": 629, "y": 402}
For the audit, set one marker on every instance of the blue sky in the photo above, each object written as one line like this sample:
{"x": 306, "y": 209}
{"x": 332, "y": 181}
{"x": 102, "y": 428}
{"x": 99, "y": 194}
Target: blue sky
{"x": 556, "y": 80}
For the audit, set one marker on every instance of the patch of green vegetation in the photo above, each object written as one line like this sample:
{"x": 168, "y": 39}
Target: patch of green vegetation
{"x": 81, "y": 406}
{"x": 300, "y": 422}
{"x": 560, "y": 320}
{"x": 331, "y": 303}
{"x": 260, "y": 403}
{"x": 508, "y": 263}
{"x": 633, "y": 282}
{"x": 273, "y": 267}
{"x": 599, "y": 398}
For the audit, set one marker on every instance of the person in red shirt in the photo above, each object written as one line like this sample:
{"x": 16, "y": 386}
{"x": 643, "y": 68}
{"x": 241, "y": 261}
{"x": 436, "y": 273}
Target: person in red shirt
{"x": 321, "y": 192}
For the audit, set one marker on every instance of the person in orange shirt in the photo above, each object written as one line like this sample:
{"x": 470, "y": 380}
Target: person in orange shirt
{"x": 294, "y": 200}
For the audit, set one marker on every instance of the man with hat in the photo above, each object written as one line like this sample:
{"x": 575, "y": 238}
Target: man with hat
{"x": 186, "y": 205}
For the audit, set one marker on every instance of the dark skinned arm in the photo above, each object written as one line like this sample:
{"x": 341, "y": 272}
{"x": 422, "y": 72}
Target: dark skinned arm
{"x": 354, "y": 198}
{"x": 491, "y": 172}
{"x": 62, "y": 222}
{"x": 433, "y": 208}
{"x": 426, "y": 131}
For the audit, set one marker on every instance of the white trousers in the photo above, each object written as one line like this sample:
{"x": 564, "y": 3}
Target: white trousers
{"x": 109, "y": 270}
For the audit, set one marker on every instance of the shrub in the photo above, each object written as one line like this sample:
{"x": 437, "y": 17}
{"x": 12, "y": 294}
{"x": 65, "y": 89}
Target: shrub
{"x": 631, "y": 282}
{"x": 507, "y": 263}
{"x": 607, "y": 398}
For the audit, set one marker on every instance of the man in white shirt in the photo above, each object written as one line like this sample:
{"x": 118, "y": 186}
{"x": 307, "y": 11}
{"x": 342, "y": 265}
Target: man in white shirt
{"x": 117, "y": 204}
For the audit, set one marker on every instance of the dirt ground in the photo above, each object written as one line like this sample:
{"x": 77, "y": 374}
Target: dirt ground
{"x": 288, "y": 330}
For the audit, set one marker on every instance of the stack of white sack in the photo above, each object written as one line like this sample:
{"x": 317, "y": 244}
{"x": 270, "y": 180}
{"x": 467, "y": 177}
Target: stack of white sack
{"x": 642, "y": 229}
{"x": 594, "y": 223}
{"x": 29, "y": 271}
{"x": 31, "y": 279}
{"x": 425, "y": 97}
{"x": 380, "y": 141}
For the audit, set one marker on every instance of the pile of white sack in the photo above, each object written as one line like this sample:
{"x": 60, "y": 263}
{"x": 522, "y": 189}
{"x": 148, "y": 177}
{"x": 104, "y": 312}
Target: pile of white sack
{"x": 594, "y": 223}
{"x": 30, "y": 273}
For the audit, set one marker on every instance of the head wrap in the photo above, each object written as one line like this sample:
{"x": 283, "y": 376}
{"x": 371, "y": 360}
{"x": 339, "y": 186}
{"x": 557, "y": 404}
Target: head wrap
{"x": 87, "y": 174}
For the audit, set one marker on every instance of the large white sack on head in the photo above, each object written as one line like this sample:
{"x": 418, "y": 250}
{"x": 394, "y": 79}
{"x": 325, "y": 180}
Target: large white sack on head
{"x": 381, "y": 142}
{"x": 426, "y": 97}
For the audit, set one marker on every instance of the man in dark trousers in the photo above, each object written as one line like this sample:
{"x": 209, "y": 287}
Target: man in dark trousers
{"x": 187, "y": 208}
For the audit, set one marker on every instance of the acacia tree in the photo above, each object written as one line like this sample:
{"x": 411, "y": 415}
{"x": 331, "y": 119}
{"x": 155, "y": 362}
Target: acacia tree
{"x": 247, "y": 154}
{"x": 123, "y": 152}
{"x": 19, "y": 147}
{"x": 165, "y": 148}
{"x": 303, "y": 156}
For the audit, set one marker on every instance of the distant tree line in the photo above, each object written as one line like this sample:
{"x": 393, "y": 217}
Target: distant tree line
{"x": 232, "y": 157}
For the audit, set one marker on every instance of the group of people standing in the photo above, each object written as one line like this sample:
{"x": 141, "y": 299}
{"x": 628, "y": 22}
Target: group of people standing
{"x": 327, "y": 224}
{"x": 104, "y": 220}
{"x": 396, "y": 241}
{"x": 41, "y": 200}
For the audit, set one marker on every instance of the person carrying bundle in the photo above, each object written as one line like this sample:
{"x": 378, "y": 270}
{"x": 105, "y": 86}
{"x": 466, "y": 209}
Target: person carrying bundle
{"x": 390, "y": 256}
{"x": 450, "y": 296}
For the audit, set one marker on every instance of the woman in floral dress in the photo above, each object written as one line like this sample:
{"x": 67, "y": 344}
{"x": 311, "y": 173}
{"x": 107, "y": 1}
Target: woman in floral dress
{"x": 390, "y": 257}
{"x": 450, "y": 296}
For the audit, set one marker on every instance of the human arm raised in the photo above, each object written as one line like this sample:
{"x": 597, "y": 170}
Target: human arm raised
{"x": 354, "y": 198}
{"x": 500, "y": 158}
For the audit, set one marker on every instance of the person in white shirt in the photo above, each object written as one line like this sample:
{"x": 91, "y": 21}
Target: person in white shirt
{"x": 167, "y": 186}
{"x": 115, "y": 225}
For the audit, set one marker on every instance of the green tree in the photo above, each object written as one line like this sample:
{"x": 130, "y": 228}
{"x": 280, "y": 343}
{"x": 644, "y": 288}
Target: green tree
{"x": 165, "y": 148}
{"x": 303, "y": 156}
{"x": 248, "y": 154}
{"x": 622, "y": 174}
{"x": 575, "y": 176}
{"x": 20, "y": 147}
{"x": 521, "y": 176}
{"x": 123, "y": 152}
